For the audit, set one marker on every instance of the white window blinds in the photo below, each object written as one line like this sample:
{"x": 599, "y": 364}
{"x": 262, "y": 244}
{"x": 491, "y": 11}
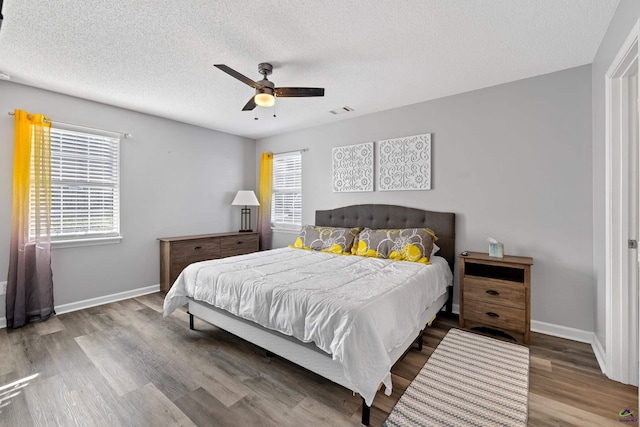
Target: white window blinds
{"x": 286, "y": 203}
{"x": 85, "y": 199}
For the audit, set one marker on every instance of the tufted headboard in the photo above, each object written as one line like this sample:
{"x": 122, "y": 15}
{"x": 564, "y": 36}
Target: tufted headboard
{"x": 390, "y": 216}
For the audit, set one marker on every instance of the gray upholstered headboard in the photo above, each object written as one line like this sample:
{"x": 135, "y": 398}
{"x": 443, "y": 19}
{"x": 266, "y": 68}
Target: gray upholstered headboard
{"x": 389, "y": 216}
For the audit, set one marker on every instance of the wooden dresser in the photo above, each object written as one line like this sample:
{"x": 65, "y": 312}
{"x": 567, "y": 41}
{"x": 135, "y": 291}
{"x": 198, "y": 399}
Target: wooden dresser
{"x": 495, "y": 294}
{"x": 178, "y": 252}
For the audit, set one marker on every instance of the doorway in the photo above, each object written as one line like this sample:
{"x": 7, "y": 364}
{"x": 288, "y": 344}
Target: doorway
{"x": 623, "y": 214}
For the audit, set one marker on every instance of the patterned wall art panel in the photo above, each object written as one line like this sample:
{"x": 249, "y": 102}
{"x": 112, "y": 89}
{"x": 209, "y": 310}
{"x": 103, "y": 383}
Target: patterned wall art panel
{"x": 353, "y": 168}
{"x": 405, "y": 163}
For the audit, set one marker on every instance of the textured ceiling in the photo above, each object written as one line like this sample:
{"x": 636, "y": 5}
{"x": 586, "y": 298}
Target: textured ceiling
{"x": 157, "y": 56}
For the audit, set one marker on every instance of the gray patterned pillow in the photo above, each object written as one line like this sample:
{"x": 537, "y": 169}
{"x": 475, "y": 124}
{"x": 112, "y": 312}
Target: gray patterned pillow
{"x": 407, "y": 244}
{"x": 326, "y": 239}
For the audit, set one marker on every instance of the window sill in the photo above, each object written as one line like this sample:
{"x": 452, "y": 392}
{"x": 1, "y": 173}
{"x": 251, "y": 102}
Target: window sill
{"x": 60, "y": 244}
{"x": 285, "y": 230}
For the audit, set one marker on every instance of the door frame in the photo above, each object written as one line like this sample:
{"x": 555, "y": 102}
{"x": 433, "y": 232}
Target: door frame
{"x": 619, "y": 313}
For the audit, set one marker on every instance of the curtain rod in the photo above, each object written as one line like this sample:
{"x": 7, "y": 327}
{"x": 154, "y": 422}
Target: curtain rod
{"x": 125, "y": 134}
{"x": 302, "y": 150}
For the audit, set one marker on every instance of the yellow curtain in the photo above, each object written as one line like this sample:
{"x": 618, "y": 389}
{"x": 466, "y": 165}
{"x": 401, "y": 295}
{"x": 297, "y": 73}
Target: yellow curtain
{"x": 30, "y": 282}
{"x": 264, "y": 197}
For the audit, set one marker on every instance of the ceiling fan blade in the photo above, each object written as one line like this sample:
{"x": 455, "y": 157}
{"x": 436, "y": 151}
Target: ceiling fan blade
{"x": 250, "y": 105}
{"x": 233, "y": 73}
{"x": 291, "y": 92}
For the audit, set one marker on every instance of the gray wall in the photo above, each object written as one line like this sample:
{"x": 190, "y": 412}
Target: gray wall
{"x": 623, "y": 21}
{"x": 512, "y": 161}
{"x": 176, "y": 179}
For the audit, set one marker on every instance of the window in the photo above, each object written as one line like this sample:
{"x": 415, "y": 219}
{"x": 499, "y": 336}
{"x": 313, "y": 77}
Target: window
{"x": 85, "y": 195}
{"x": 286, "y": 202}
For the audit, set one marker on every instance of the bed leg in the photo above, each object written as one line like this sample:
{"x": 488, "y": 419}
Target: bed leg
{"x": 420, "y": 342}
{"x": 366, "y": 413}
{"x": 449, "y": 308}
{"x": 191, "y": 321}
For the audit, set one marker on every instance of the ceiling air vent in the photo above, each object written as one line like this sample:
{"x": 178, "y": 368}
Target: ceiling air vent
{"x": 341, "y": 110}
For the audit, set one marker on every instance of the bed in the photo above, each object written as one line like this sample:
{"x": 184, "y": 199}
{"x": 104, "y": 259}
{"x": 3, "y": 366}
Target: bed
{"x": 342, "y": 342}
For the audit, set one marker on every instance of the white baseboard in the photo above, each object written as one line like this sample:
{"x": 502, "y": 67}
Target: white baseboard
{"x": 92, "y": 302}
{"x": 455, "y": 308}
{"x": 562, "y": 331}
{"x": 598, "y": 350}
{"x": 80, "y": 305}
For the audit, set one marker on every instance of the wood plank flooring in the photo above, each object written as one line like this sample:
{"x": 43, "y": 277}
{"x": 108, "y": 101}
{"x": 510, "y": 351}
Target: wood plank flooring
{"x": 122, "y": 364}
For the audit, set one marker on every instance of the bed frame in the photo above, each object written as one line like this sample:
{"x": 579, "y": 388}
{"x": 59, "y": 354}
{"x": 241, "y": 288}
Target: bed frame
{"x": 308, "y": 355}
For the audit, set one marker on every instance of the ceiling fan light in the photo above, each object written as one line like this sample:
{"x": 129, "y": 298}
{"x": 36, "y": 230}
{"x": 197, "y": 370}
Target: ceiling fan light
{"x": 264, "y": 99}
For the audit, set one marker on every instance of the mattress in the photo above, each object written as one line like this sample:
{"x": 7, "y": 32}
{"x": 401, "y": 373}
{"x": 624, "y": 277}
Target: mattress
{"x": 356, "y": 309}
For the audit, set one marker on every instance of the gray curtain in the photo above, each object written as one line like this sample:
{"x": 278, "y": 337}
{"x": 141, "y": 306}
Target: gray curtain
{"x": 29, "y": 285}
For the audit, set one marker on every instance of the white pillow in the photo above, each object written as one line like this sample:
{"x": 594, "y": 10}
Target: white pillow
{"x": 434, "y": 250}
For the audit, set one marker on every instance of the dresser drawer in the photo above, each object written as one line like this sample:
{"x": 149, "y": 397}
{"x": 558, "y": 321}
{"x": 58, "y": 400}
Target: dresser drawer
{"x": 178, "y": 252}
{"x": 177, "y": 265}
{"x": 238, "y": 245}
{"x": 502, "y": 292}
{"x": 196, "y": 250}
{"x": 497, "y": 316}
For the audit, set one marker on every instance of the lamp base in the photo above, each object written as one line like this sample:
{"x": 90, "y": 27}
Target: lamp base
{"x": 245, "y": 220}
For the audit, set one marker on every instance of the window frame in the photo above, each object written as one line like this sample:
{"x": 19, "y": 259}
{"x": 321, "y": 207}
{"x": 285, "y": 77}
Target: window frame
{"x": 294, "y": 190}
{"x": 86, "y": 237}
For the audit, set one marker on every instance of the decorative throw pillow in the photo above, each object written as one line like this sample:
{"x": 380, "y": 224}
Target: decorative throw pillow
{"x": 326, "y": 239}
{"x": 407, "y": 244}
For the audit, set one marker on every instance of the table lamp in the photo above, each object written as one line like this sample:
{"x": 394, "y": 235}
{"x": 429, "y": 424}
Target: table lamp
{"x": 245, "y": 198}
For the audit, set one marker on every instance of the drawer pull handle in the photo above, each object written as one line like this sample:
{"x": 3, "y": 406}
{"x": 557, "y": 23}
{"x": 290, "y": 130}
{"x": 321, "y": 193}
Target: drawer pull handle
{"x": 239, "y": 242}
{"x": 197, "y": 248}
{"x": 492, "y": 314}
{"x": 492, "y": 292}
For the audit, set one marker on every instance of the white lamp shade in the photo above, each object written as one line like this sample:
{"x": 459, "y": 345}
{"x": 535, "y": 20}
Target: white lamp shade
{"x": 245, "y": 198}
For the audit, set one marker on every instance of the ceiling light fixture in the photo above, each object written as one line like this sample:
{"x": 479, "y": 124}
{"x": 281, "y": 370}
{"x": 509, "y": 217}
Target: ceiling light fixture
{"x": 265, "y": 95}
{"x": 264, "y": 99}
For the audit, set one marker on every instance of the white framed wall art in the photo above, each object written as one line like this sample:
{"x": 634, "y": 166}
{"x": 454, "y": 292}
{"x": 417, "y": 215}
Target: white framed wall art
{"x": 353, "y": 168}
{"x": 405, "y": 163}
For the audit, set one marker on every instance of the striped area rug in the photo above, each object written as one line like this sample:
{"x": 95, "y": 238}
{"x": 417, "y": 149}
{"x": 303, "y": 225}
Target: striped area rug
{"x": 469, "y": 380}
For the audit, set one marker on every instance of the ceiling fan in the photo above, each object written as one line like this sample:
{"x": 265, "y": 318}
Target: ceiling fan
{"x": 266, "y": 92}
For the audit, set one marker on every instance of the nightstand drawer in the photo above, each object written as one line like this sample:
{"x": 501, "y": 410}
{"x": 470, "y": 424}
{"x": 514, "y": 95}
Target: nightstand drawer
{"x": 196, "y": 250}
{"x": 502, "y": 292}
{"x": 494, "y": 315}
{"x": 238, "y": 245}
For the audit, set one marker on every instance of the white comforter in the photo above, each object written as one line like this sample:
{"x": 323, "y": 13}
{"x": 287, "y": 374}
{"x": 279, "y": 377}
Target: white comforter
{"x": 356, "y": 309}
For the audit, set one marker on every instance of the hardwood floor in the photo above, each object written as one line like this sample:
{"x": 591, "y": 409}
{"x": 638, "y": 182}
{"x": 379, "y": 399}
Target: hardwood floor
{"x": 122, "y": 364}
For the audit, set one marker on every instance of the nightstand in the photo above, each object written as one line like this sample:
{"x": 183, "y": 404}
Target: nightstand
{"x": 495, "y": 294}
{"x": 178, "y": 252}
